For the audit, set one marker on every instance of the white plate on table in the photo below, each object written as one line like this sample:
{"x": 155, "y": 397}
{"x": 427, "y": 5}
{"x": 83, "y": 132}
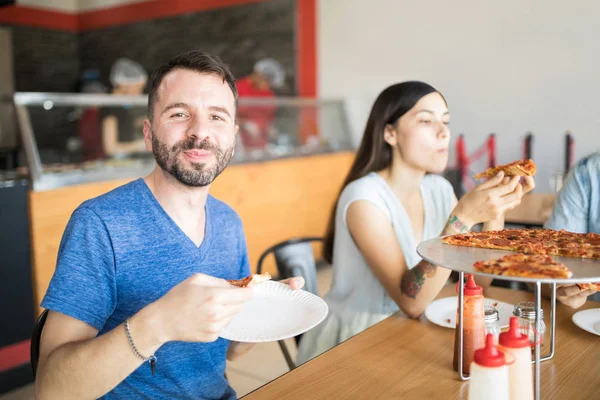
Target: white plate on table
{"x": 588, "y": 320}
{"x": 442, "y": 312}
{"x": 275, "y": 312}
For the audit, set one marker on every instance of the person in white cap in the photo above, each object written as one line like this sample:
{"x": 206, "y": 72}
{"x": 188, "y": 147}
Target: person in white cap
{"x": 121, "y": 129}
{"x": 256, "y": 121}
{"x": 268, "y": 74}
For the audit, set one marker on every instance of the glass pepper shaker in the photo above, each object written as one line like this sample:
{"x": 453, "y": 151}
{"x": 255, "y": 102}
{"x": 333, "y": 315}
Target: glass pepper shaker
{"x": 492, "y": 322}
{"x": 526, "y": 313}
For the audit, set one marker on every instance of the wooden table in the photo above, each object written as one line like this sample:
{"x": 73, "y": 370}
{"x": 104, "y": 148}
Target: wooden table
{"x": 534, "y": 210}
{"x": 401, "y": 358}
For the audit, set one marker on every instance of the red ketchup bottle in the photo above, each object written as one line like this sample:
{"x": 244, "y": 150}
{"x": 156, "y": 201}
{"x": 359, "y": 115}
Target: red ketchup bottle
{"x": 473, "y": 324}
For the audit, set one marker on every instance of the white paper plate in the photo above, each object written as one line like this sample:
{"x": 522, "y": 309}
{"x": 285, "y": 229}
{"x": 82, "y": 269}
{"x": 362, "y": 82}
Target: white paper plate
{"x": 275, "y": 312}
{"x": 588, "y": 320}
{"x": 442, "y": 312}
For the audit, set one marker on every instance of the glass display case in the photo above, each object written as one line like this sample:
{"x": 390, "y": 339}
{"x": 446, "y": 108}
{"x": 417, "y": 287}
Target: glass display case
{"x": 72, "y": 139}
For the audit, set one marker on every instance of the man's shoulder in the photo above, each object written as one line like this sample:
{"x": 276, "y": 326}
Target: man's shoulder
{"x": 222, "y": 211}
{"x": 585, "y": 174}
{"x": 116, "y": 200}
{"x": 590, "y": 163}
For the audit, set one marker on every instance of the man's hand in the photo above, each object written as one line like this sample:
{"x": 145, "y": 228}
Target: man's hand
{"x": 197, "y": 309}
{"x": 296, "y": 283}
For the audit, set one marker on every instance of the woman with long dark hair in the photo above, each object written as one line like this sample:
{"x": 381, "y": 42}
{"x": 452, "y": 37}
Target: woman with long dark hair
{"x": 392, "y": 200}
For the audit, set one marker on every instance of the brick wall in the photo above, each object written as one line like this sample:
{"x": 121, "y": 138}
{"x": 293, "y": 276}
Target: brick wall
{"x": 44, "y": 60}
{"x": 47, "y": 60}
{"x": 240, "y": 35}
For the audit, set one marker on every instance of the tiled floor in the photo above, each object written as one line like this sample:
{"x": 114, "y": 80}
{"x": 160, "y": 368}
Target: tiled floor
{"x": 244, "y": 374}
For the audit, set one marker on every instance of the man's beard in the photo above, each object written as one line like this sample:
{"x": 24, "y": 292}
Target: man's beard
{"x": 198, "y": 174}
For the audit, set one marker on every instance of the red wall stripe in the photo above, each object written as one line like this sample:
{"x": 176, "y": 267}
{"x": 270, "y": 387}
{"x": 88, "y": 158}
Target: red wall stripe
{"x": 28, "y": 16}
{"x": 307, "y": 47}
{"x": 118, "y": 15}
{"x": 147, "y": 10}
{"x": 14, "y": 355}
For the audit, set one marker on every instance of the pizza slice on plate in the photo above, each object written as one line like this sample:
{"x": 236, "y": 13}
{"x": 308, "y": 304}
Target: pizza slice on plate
{"x": 251, "y": 280}
{"x": 525, "y": 266}
{"x": 517, "y": 168}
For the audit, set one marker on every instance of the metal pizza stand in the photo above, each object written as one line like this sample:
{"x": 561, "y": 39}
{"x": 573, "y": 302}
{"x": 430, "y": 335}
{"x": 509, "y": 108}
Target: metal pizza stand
{"x": 461, "y": 259}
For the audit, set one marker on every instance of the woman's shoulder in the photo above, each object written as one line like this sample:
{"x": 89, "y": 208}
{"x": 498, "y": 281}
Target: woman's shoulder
{"x": 369, "y": 186}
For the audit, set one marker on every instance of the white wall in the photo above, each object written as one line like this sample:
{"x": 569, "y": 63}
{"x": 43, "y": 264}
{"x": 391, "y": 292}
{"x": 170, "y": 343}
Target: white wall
{"x": 505, "y": 67}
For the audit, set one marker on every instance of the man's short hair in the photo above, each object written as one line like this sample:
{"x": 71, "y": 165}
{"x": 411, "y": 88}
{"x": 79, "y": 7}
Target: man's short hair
{"x": 194, "y": 60}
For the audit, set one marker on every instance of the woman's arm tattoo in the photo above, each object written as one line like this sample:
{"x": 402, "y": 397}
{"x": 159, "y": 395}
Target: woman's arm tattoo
{"x": 413, "y": 279}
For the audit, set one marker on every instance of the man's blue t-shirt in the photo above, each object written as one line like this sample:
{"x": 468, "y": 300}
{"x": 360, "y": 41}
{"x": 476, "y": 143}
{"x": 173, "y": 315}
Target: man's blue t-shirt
{"x": 121, "y": 252}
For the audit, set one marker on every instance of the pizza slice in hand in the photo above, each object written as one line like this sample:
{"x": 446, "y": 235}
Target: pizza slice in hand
{"x": 251, "y": 280}
{"x": 517, "y": 168}
{"x": 586, "y": 286}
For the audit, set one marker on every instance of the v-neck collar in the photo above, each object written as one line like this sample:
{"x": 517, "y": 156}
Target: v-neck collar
{"x": 176, "y": 230}
{"x": 402, "y": 209}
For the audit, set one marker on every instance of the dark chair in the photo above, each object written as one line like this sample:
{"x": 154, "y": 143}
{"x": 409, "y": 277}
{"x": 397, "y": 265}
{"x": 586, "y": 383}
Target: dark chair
{"x": 294, "y": 257}
{"x": 34, "y": 349}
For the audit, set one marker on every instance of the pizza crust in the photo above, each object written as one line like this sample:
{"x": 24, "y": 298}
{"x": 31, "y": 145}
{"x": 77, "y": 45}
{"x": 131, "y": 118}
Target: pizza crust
{"x": 517, "y": 168}
{"x": 589, "y": 286}
{"x": 251, "y": 280}
{"x": 524, "y": 266}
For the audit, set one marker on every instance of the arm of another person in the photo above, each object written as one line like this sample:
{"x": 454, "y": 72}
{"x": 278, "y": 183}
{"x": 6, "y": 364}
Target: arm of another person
{"x": 110, "y": 139}
{"x": 571, "y": 209}
{"x": 413, "y": 289}
{"x": 571, "y": 212}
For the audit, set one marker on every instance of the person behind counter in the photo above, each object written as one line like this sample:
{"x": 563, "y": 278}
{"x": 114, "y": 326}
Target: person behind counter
{"x": 577, "y": 209}
{"x": 122, "y": 125}
{"x": 390, "y": 201}
{"x": 256, "y": 120}
{"x": 139, "y": 296}
{"x": 89, "y": 121}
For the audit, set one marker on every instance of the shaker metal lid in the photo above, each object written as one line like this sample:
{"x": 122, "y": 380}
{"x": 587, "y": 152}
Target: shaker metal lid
{"x": 491, "y": 314}
{"x": 526, "y": 309}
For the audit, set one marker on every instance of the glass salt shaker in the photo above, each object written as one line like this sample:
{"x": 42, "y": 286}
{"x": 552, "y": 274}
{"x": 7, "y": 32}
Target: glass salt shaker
{"x": 526, "y": 313}
{"x": 492, "y": 322}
